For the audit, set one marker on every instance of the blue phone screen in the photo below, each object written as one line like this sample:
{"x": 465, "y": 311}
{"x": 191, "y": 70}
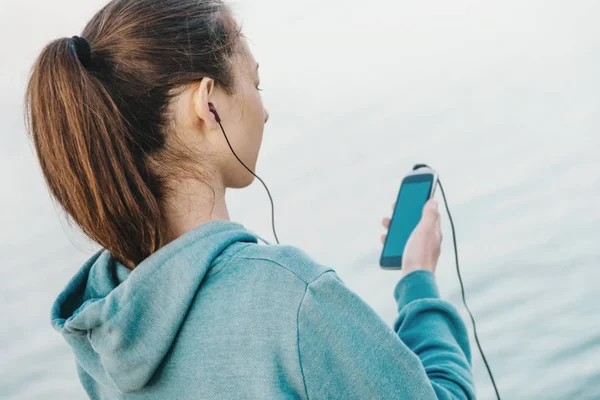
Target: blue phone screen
{"x": 406, "y": 216}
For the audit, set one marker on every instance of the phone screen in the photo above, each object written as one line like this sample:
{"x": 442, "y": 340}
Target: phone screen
{"x": 414, "y": 193}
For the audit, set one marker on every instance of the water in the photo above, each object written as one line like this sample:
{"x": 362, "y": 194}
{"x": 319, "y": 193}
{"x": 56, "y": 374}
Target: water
{"x": 501, "y": 98}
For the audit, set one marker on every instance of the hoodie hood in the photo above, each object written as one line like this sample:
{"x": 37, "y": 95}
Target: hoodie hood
{"x": 121, "y": 323}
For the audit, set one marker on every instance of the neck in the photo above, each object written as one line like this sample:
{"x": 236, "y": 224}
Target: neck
{"x": 192, "y": 205}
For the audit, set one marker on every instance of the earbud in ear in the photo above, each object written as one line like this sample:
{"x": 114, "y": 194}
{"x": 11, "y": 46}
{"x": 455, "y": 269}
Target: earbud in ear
{"x": 213, "y": 110}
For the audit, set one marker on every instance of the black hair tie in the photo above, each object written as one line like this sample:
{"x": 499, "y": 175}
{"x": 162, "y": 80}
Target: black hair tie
{"x": 81, "y": 48}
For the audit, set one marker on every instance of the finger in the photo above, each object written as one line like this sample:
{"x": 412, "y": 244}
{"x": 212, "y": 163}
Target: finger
{"x": 431, "y": 214}
{"x": 429, "y": 208}
{"x": 439, "y": 224}
{"x": 386, "y": 222}
{"x": 383, "y": 238}
{"x": 433, "y": 203}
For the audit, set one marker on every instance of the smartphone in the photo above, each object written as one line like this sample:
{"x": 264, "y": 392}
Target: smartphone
{"x": 416, "y": 189}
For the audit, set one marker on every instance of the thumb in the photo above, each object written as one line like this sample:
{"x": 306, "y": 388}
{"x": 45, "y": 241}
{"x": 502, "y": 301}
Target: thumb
{"x": 431, "y": 213}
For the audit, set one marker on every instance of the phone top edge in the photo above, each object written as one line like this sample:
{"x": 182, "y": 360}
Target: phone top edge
{"x": 422, "y": 171}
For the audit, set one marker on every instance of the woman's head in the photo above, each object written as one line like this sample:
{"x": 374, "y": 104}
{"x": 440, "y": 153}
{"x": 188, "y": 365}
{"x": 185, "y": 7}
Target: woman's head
{"x": 116, "y": 138}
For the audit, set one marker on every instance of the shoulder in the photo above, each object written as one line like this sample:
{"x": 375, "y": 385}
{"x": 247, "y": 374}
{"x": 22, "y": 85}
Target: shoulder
{"x": 290, "y": 258}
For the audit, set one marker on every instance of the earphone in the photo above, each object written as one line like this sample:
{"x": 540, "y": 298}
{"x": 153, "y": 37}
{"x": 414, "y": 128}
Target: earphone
{"x": 212, "y": 109}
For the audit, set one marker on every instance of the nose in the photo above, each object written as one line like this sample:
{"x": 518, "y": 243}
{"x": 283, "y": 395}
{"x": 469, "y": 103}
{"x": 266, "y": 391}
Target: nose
{"x": 266, "y": 115}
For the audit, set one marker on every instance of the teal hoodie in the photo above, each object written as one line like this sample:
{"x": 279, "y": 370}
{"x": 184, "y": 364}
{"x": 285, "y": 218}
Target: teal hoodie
{"x": 217, "y": 315}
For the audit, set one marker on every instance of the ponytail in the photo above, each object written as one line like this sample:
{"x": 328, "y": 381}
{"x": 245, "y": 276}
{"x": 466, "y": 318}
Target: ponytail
{"x": 81, "y": 141}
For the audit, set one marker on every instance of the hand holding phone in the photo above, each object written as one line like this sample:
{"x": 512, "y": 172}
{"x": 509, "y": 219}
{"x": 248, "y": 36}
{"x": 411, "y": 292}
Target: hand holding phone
{"x": 423, "y": 248}
{"x": 414, "y": 233}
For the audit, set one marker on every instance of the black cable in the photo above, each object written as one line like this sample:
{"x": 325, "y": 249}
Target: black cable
{"x": 261, "y": 181}
{"x": 462, "y": 289}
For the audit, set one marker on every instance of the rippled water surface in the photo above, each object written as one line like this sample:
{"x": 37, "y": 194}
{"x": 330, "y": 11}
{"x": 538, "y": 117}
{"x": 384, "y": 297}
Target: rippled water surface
{"x": 500, "y": 97}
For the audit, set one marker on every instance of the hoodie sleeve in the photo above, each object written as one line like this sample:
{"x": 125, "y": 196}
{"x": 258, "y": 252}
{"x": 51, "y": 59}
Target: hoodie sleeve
{"x": 347, "y": 351}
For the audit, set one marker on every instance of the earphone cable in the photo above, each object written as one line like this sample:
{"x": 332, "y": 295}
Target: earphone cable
{"x": 462, "y": 289}
{"x": 261, "y": 181}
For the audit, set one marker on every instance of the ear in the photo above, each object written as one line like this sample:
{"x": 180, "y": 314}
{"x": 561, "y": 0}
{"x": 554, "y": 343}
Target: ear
{"x": 202, "y": 95}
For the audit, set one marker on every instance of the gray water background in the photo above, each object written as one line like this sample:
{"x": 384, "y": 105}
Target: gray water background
{"x": 501, "y": 97}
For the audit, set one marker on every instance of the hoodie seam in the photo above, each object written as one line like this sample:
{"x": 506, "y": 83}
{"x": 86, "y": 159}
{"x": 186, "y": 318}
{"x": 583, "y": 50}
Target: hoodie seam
{"x": 281, "y": 265}
{"x": 298, "y": 341}
{"x": 298, "y": 328}
{"x": 226, "y": 263}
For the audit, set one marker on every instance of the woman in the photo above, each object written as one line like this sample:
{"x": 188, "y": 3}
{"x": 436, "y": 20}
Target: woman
{"x": 181, "y": 302}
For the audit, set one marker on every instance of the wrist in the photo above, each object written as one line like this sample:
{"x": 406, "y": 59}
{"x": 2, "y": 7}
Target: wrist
{"x": 408, "y": 270}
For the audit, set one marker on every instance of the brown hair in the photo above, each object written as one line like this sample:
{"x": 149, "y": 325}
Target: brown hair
{"x": 101, "y": 131}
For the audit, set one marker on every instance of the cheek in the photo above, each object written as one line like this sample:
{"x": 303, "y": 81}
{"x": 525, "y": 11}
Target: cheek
{"x": 257, "y": 113}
